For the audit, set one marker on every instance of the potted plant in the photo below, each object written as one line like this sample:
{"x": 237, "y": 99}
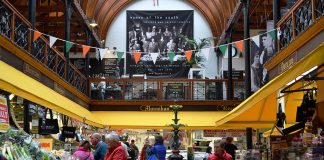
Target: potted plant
{"x": 197, "y": 59}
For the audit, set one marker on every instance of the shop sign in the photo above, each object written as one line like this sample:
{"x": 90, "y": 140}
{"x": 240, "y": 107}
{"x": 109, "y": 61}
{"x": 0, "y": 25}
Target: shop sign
{"x": 31, "y": 71}
{"x": 278, "y": 143}
{"x": 46, "y": 144}
{"x": 59, "y": 89}
{"x": 155, "y": 108}
{"x": 4, "y": 116}
{"x": 225, "y": 133}
{"x": 288, "y": 63}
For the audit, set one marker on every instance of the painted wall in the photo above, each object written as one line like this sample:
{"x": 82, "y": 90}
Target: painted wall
{"x": 116, "y": 35}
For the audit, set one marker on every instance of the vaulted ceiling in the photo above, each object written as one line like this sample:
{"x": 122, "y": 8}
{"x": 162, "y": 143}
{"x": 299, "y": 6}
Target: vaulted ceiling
{"x": 104, "y": 12}
{"x": 50, "y": 16}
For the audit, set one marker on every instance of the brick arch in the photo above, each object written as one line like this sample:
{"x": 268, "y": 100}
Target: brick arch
{"x": 104, "y": 12}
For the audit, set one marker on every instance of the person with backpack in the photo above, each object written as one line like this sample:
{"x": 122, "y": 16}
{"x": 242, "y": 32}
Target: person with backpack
{"x": 131, "y": 152}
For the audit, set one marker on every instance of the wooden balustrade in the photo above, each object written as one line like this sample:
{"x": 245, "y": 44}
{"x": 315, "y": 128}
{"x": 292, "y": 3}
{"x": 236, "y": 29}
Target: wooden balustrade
{"x": 20, "y": 31}
{"x": 163, "y": 89}
{"x": 299, "y": 17}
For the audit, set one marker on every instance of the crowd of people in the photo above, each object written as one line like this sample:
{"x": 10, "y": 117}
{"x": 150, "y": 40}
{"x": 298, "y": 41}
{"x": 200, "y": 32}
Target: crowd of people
{"x": 154, "y": 39}
{"x": 114, "y": 147}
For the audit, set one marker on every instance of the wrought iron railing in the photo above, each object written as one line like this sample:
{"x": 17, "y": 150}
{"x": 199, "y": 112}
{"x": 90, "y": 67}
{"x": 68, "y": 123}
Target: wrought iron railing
{"x": 15, "y": 28}
{"x": 164, "y": 89}
{"x": 300, "y": 17}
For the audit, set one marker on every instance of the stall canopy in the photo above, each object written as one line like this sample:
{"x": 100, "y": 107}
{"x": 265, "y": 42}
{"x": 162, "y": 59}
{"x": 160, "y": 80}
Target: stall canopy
{"x": 259, "y": 110}
{"x": 20, "y": 84}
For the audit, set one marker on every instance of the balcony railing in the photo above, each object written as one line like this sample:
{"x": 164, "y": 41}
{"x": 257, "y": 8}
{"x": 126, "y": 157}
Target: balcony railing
{"x": 164, "y": 89}
{"x": 15, "y": 28}
{"x": 303, "y": 14}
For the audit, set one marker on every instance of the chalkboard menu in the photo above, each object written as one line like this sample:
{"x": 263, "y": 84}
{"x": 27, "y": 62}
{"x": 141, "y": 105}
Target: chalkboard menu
{"x": 110, "y": 67}
{"x": 175, "y": 91}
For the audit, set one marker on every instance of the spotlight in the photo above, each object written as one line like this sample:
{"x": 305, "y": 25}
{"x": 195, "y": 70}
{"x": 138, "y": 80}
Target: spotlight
{"x": 11, "y": 96}
{"x": 93, "y": 23}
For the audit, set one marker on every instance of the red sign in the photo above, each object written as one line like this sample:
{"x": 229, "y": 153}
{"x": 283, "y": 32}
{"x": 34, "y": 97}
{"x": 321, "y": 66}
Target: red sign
{"x": 4, "y": 116}
{"x": 225, "y": 133}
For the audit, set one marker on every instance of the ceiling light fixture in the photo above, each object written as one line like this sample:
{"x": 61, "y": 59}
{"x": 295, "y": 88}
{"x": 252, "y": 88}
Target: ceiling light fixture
{"x": 11, "y": 96}
{"x": 93, "y": 23}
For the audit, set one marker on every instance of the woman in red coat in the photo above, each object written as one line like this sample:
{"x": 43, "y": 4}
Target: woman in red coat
{"x": 220, "y": 153}
{"x": 115, "y": 149}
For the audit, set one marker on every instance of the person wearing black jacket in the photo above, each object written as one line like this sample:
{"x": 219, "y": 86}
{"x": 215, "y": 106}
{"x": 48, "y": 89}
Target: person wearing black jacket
{"x": 131, "y": 152}
{"x": 230, "y": 147}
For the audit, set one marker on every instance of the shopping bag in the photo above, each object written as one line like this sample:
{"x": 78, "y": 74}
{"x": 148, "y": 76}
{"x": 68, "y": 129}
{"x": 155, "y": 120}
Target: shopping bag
{"x": 68, "y": 132}
{"x": 48, "y": 126}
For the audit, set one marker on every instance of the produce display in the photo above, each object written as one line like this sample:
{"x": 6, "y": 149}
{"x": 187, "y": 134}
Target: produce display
{"x": 16, "y": 145}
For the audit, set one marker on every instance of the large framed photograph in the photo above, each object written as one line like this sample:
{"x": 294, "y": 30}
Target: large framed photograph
{"x": 155, "y": 34}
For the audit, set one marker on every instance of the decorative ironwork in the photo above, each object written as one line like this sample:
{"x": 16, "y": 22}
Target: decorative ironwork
{"x": 77, "y": 81}
{"x": 39, "y": 48}
{"x": 51, "y": 59}
{"x": 150, "y": 90}
{"x": 239, "y": 90}
{"x": 60, "y": 66}
{"x": 199, "y": 90}
{"x": 319, "y": 8}
{"x": 286, "y": 33}
{"x": 215, "y": 91}
{"x": 5, "y": 21}
{"x": 70, "y": 76}
{"x": 303, "y": 16}
{"x": 83, "y": 86}
{"x": 134, "y": 90}
{"x": 21, "y": 34}
{"x": 175, "y": 90}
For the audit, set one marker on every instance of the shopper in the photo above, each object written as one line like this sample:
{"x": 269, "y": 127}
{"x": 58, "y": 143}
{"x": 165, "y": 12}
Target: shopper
{"x": 158, "y": 149}
{"x": 230, "y": 147}
{"x": 102, "y": 88}
{"x": 175, "y": 155}
{"x": 131, "y": 152}
{"x": 135, "y": 148}
{"x": 220, "y": 152}
{"x": 208, "y": 152}
{"x": 99, "y": 146}
{"x": 84, "y": 151}
{"x": 115, "y": 149}
{"x": 145, "y": 150}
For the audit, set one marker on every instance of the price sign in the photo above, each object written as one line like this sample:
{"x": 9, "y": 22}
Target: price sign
{"x": 4, "y": 117}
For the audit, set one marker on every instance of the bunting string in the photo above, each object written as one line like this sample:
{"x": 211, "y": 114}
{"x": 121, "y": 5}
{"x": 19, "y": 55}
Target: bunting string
{"x": 102, "y": 51}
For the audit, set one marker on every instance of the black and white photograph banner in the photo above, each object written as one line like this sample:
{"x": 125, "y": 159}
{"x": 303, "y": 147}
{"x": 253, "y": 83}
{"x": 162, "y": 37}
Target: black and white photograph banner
{"x": 262, "y": 49}
{"x": 158, "y": 32}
